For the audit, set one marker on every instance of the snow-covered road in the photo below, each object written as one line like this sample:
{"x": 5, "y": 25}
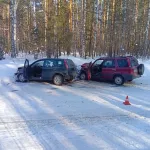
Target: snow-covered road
{"x": 83, "y": 115}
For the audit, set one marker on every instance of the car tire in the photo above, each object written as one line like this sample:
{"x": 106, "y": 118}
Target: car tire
{"x": 58, "y": 79}
{"x": 140, "y": 69}
{"x": 118, "y": 80}
{"x": 83, "y": 76}
{"x": 21, "y": 78}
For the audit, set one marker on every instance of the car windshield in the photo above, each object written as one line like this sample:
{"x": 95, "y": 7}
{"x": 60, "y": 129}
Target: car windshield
{"x": 38, "y": 63}
{"x": 98, "y": 62}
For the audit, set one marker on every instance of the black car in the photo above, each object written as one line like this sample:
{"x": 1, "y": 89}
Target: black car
{"x": 56, "y": 70}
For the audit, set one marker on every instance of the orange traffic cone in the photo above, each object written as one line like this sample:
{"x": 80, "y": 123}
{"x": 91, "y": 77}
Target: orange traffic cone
{"x": 126, "y": 102}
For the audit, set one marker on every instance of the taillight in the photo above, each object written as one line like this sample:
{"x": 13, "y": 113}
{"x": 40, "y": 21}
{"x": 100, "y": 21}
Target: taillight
{"x": 131, "y": 71}
{"x": 66, "y": 65}
{"x": 135, "y": 70}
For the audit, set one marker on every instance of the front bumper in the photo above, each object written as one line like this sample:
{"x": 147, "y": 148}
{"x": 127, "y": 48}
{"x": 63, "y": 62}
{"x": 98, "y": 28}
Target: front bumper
{"x": 16, "y": 76}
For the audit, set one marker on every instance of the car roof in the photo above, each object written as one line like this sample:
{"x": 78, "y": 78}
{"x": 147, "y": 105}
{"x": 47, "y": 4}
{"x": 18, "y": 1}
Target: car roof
{"x": 117, "y": 57}
{"x": 52, "y": 59}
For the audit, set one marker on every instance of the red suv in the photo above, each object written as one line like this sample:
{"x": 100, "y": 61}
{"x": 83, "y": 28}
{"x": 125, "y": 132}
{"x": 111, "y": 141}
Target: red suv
{"x": 117, "y": 69}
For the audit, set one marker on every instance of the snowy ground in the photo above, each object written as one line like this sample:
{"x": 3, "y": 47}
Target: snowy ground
{"x": 83, "y": 115}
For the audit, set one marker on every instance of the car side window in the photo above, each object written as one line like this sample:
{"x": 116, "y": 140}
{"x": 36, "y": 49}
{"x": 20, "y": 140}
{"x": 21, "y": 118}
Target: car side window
{"x": 59, "y": 63}
{"x": 49, "y": 64}
{"x": 122, "y": 63}
{"x": 109, "y": 64}
{"x": 38, "y": 64}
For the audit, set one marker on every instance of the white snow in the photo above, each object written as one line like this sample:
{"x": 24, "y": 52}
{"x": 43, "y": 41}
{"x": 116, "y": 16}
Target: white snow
{"x": 83, "y": 115}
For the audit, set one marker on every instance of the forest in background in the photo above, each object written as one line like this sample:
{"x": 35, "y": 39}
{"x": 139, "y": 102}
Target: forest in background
{"x": 87, "y": 27}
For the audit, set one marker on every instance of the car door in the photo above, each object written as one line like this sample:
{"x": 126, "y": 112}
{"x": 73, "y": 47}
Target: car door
{"x": 26, "y": 69}
{"x": 108, "y": 69}
{"x": 49, "y": 69}
{"x": 96, "y": 70}
{"x": 123, "y": 66}
{"x": 36, "y": 70}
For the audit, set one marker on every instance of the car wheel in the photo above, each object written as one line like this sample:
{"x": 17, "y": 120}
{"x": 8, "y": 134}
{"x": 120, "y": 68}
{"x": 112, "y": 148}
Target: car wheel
{"x": 118, "y": 80}
{"x": 83, "y": 76}
{"x": 58, "y": 79}
{"x": 21, "y": 78}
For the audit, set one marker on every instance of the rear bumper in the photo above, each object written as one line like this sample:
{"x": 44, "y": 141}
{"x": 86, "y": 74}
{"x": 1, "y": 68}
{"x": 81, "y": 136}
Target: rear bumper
{"x": 130, "y": 77}
{"x": 71, "y": 76}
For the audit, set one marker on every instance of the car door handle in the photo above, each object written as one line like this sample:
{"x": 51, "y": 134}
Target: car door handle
{"x": 114, "y": 69}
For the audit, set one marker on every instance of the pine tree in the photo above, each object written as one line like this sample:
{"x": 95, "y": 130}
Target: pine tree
{"x": 1, "y": 53}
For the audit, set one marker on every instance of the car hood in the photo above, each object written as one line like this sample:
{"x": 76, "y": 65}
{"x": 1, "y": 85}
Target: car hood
{"x": 20, "y": 68}
{"x": 86, "y": 65}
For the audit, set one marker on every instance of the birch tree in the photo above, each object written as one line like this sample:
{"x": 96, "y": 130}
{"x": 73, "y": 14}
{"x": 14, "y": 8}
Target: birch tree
{"x": 147, "y": 32}
{"x": 13, "y": 22}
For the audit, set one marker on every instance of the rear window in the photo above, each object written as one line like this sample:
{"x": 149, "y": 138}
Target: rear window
{"x": 134, "y": 62}
{"x": 122, "y": 63}
{"x": 70, "y": 63}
